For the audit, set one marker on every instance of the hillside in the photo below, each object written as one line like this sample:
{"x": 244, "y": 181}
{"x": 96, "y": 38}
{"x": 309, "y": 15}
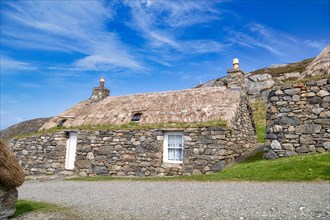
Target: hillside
{"x": 24, "y": 127}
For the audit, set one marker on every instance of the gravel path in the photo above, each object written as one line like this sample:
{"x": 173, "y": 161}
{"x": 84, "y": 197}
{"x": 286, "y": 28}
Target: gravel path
{"x": 185, "y": 200}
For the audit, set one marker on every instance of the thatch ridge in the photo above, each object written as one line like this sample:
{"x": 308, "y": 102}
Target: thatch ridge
{"x": 182, "y": 106}
{"x": 11, "y": 174}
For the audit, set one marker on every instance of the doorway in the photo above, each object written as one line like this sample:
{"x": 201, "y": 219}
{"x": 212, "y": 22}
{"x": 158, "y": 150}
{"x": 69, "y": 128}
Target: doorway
{"x": 71, "y": 145}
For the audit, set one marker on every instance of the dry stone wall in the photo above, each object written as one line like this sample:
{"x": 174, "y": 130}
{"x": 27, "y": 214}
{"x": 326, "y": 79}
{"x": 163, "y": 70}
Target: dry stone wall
{"x": 139, "y": 152}
{"x": 44, "y": 154}
{"x": 298, "y": 119}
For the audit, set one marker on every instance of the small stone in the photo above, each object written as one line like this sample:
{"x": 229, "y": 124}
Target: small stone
{"x": 83, "y": 174}
{"x": 196, "y": 172}
{"x": 322, "y": 93}
{"x": 306, "y": 139}
{"x": 317, "y": 110}
{"x": 326, "y": 145}
{"x": 292, "y": 91}
{"x": 279, "y": 92}
{"x": 326, "y": 99}
{"x": 315, "y": 100}
{"x": 196, "y": 151}
{"x": 277, "y": 128}
{"x": 322, "y": 82}
{"x": 276, "y": 145}
{"x": 288, "y": 146}
{"x": 309, "y": 94}
{"x": 25, "y": 152}
{"x": 220, "y": 165}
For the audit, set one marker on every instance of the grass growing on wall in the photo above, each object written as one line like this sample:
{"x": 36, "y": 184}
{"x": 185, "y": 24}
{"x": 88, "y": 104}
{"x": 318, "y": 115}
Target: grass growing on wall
{"x": 129, "y": 126}
{"x": 298, "y": 168}
{"x": 259, "y": 117}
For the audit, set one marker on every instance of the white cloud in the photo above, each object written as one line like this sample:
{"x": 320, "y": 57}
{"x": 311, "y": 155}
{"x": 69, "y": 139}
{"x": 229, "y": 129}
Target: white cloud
{"x": 69, "y": 26}
{"x": 7, "y": 64}
{"x": 320, "y": 45}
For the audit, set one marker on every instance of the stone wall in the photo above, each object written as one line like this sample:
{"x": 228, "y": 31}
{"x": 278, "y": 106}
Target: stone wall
{"x": 298, "y": 119}
{"x": 44, "y": 154}
{"x": 139, "y": 152}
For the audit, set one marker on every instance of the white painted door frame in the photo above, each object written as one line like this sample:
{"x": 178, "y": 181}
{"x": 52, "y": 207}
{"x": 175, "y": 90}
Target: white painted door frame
{"x": 71, "y": 145}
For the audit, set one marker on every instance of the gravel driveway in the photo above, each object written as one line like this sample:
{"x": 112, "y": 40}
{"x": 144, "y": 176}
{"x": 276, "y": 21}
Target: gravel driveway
{"x": 185, "y": 200}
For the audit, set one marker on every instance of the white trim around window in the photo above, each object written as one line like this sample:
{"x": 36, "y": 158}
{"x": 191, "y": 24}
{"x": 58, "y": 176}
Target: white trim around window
{"x": 173, "y": 147}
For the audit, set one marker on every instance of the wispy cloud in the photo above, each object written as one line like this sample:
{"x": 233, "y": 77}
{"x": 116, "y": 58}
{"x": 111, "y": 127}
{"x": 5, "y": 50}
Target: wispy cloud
{"x": 7, "y": 64}
{"x": 64, "y": 26}
{"x": 161, "y": 24}
{"x": 280, "y": 44}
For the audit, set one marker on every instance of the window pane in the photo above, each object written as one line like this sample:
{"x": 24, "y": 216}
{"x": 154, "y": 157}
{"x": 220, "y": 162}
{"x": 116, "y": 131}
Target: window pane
{"x": 175, "y": 147}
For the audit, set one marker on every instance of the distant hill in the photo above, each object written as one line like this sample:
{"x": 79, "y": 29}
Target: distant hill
{"x": 24, "y": 127}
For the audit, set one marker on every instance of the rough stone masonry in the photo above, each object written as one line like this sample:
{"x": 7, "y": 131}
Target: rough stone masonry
{"x": 298, "y": 119}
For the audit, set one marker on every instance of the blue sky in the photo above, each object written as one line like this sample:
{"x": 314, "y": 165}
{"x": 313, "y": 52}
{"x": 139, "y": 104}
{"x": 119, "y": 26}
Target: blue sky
{"x": 54, "y": 52}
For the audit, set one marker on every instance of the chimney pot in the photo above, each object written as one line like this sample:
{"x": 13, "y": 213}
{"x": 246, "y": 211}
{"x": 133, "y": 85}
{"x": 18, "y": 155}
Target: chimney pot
{"x": 235, "y": 63}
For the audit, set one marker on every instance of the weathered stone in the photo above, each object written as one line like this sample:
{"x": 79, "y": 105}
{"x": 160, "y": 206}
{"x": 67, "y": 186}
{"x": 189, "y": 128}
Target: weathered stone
{"x": 277, "y": 128}
{"x": 302, "y": 149}
{"x": 292, "y": 91}
{"x": 83, "y": 164}
{"x": 322, "y": 121}
{"x": 220, "y": 165}
{"x": 291, "y": 136}
{"x": 326, "y": 99}
{"x": 315, "y": 100}
{"x": 306, "y": 139}
{"x": 323, "y": 93}
{"x": 196, "y": 172}
{"x": 105, "y": 150}
{"x": 317, "y": 110}
{"x": 293, "y": 75}
{"x": 326, "y": 145}
{"x": 289, "y": 121}
{"x": 288, "y": 146}
{"x": 270, "y": 155}
{"x": 8, "y": 198}
{"x": 100, "y": 170}
{"x": 275, "y": 145}
{"x": 309, "y": 94}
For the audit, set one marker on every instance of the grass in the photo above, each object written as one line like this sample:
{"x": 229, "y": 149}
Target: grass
{"x": 309, "y": 167}
{"x": 25, "y": 206}
{"x": 292, "y": 67}
{"x": 129, "y": 126}
{"x": 259, "y": 117}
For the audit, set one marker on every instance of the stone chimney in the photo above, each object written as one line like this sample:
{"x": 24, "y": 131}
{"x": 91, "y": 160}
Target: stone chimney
{"x": 100, "y": 92}
{"x": 235, "y": 78}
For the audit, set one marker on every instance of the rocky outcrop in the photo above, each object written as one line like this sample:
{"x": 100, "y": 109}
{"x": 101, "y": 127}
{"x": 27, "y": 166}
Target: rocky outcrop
{"x": 319, "y": 66}
{"x": 21, "y": 128}
{"x": 298, "y": 119}
{"x": 8, "y": 198}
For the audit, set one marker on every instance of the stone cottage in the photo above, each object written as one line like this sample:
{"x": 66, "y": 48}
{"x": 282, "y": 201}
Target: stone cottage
{"x": 193, "y": 131}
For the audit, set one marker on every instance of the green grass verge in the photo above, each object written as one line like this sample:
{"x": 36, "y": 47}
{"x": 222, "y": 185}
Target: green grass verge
{"x": 298, "y": 168}
{"x": 129, "y": 126}
{"x": 259, "y": 117}
{"x": 25, "y": 206}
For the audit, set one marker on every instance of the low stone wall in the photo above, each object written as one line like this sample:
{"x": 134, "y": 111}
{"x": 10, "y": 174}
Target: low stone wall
{"x": 44, "y": 154}
{"x": 298, "y": 119}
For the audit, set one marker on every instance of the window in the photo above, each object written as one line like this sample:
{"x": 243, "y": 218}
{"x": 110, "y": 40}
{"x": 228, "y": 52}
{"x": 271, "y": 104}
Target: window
{"x": 136, "y": 117}
{"x": 61, "y": 123}
{"x": 173, "y": 147}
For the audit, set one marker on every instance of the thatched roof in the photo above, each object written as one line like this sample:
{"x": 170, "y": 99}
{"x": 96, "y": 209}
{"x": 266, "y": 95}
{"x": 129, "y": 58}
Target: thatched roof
{"x": 183, "y": 106}
{"x": 11, "y": 174}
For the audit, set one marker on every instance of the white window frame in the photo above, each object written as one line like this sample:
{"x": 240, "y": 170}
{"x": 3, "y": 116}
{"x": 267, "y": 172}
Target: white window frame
{"x": 165, "y": 146}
